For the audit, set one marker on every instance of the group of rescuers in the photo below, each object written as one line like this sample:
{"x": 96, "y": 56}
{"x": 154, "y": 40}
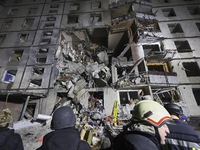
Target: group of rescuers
{"x": 152, "y": 127}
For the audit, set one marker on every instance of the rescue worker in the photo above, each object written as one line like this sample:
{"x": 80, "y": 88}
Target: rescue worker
{"x": 65, "y": 135}
{"x": 181, "y": 136}
{"x": 8, "y": 139}
{"x": 147, "y": 129}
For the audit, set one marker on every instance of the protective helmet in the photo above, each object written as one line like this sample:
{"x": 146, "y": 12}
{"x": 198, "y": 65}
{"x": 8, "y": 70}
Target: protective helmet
{"x": 150, "y": 112}
{"x": 63, "y": 117}
{"x": 173, "y": 109}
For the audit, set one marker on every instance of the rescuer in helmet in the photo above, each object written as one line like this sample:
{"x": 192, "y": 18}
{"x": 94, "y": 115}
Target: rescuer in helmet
{"x": 147, "y": 129}
{"x": 8, "y": 139}
{"x": 65, "y": 135}
{"x": 181, "y": 136}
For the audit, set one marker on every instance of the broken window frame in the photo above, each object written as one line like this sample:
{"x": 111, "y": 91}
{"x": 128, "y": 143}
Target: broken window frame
{"x": 7, "y": 24}
{"x": 194, "y": 10}
{"x": 196, "y": 93}
{"x": 12, "y": 11}
{"x": 192, "y": 70}
{"x": 175, "y": 28}
{"x": 74, "y": 6}
{"x": 28, "y": 22}
{"x": 72, "y": 19}
{"x": 17, "y": 55}
{"x": 2, "y": 38}
{"x": 11, "y": 74}
{"x": 128, "y": 96}
{"x": 38, "y": 70}
{"x": 23, "y": 37}
{"x": 35, "y": 83}
{"x": 32, "y": 10}
{"x": 41, "y": 60}
{"x": 96, "y": 5}
{"x": 43, "y": 50}
{"x": 183, "y": 44}
{"x": 198, "y": 25}
{"x": 164, "y": 66}
{"x": 47, "y": 33}
{"x": 93, "y": 16}
{"x": 45, "y": 41}
{"x": 168, "y": 12}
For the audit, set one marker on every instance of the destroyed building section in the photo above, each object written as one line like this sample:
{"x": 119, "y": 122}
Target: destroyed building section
{"x": 97, "y": 65}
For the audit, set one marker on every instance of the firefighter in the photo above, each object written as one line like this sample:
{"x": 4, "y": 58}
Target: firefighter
{"x": 8, "y": 139}
{"x": 65, "y": 135}
{"x": 181, "y": 136}
{"x": 147, "y": 129}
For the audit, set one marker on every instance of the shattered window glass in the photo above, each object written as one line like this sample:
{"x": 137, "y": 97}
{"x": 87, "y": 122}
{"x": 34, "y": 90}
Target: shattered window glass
{"x": 182, "y": 46}
{"x": 28, "y": 22}
{"x": 169, "y": 12}
{"x": 10, "y": 76}
{"x": 12, "y": 11}
{"x": 126, "y": 96}
{"x": 198, "y": 26}
{"x": 17, "y": 55}
{"x": 43, "y": 50}
{"x": 7, "y": 24}
{"x": 47, "y": 33}
{"x": 35, "y": 83}
{"x": 175, "y": 28}
{"x": 23, "y": 38}
{"x": 38, "y": 71}
{"x": 74, "y": 6}
{"x": 191, "y": 69}
{"x": 2, "y": 37}
{"x": 72, "y": 19}
{"x": 196, "y": 93}
{"x": 95, "y": 18}
{"x": 194, "y": 10}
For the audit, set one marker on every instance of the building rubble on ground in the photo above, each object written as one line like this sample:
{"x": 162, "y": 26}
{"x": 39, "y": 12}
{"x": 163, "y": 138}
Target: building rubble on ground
{"x": 101, "y": 72}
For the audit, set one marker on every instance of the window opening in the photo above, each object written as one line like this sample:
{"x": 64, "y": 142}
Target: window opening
{"x": 96, "y": 5}
{"x": 51, "y": 18}
{"x": 175, "y": 28}
{"x": 194, "y": 10}
{"x": 10, "y": 76}
{"x": 28, "y": 22}
{"x": 191, "y": 69}
{"x": 41, "y": 60}
{"x": 32, "y": 10}
{"x": 38, "y": 71}
{"x": 72, "y": 19}
{"x": 198, "y": 26}
{"x": 30, "y": 110}
{"x": 196, "y": 93}
{"x": 23, "y": 38}
{"x": 43, "y": 50}
{"x": 54, "y": 5}
{"x": 35, "y": 83}
{"x": 47, "y": 33}
{"x": 126, "y": 96}
{"x": 160, "y": 68}
{"x": 2, "y": 37}
{"x": 12, "y": 11}
{"x": 182, "y": 46}
{"x": 148, "y": 48}
{"x": 95, "y": 17}
{"x": 45, "y": 41}
{"x": 7, "y": 24}
{"x": 49, "y": 25}
{"x": 96, "y": 100}
{"x": 169, "y": 12}
{"x": 74, "y": 6}
{"x": 53, "y": 11}
{"x": 17, "y": 55}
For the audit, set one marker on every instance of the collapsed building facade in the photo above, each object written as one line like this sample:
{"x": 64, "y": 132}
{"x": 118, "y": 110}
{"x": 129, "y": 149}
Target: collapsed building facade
{"x": 91, "y": 53}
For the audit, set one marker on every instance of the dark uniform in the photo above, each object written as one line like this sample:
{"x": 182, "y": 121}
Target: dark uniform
{"x": 63, "y": 139}
{"x": 10, "y": 140}
{"x": 182, "y": 137}
{"x": 136, "y": 140}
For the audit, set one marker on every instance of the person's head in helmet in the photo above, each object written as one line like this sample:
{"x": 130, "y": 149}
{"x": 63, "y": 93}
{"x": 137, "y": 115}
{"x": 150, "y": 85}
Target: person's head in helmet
{"x": 62, "y": 118}
{"x": 152, "y": 113}
{"x": 174, "y": 109}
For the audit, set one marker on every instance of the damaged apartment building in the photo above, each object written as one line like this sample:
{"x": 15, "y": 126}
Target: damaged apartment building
{"x": 91, "y": 53}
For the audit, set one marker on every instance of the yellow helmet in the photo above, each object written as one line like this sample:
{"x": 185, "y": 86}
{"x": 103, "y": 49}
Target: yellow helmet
{"x": 151, "y": 112}
{"x": 5, "y": 117}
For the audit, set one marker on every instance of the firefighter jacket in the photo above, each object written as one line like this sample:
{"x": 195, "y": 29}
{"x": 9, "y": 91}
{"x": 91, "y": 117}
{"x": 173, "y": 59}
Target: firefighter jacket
{"x": 62, "y": 139}
{"x": 182, "y": 137}
{"x": 10, "y": 140}
{"x": 136, "y": 140}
